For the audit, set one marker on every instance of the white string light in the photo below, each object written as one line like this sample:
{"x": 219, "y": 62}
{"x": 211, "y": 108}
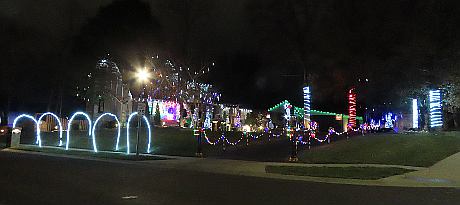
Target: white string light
{"x": 39, "y": 141}
{"x": 89, "y": 129}
{"x": 59, "y": 123}
{"x": 127, "y": 131}
{"x": 118, "y": 126}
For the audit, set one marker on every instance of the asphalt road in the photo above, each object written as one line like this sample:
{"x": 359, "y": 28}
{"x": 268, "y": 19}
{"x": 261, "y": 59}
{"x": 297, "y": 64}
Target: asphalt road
{"x": 35, "y": 179}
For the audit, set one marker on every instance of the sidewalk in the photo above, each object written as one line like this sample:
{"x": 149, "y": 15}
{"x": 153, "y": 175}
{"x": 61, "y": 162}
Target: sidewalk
{"x": 445, "y": 173}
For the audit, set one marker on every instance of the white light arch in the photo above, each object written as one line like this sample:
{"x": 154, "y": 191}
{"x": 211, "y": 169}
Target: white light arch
{"x": 89, "y": 129}
{"x": 127, "y": 132}
{"x": 59, "y": 123}
{"x": 118, "y": 127}
{"x": 39, "y": 141}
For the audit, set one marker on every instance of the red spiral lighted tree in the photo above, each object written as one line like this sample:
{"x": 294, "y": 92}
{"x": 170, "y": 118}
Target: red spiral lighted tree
{"x": 352, "y": 107}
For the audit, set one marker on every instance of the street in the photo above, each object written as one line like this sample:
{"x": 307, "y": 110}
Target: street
{"x": 37, "y": 179}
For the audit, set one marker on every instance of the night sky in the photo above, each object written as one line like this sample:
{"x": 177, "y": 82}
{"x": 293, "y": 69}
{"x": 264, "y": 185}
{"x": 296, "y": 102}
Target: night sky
{"x": 261, "y": 48}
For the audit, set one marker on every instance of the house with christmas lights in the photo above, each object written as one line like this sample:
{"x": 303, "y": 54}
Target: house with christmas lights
{"x": 172, "y": 94}
{"x": 283, "y": 110}
{"x": 106, "y": 91}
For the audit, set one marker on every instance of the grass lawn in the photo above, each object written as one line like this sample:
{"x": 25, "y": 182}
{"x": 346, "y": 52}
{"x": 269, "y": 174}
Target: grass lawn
{"x": 165, "y": 141}
{"x": 337, "y": 172}
{"x": 399, "y": 149}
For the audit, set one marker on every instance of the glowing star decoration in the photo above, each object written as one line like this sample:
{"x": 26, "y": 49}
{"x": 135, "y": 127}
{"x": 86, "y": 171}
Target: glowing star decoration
{"x": 414, "y": 113}
{"x": 58, "y": 121}
{"x": 39, "y": 141}
{"x": 435, "y": 109}
{"x": 127, "y": 132}
{"x": 306, "y": 106}
{"x": 118, "y": 127}
{"x": 69, "y": 126}
{"x": 352, "y": 107}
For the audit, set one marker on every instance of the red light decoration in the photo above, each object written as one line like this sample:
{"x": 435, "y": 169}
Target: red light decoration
{"x": 352, "y": 107}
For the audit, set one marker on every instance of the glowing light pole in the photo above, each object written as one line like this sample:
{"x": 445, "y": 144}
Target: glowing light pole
{"x": 352, "y": 107}
{"x": 142, "y": 77}
{"x": 414, "y": 113}
{"x": 435, "y": 109}
{"x": 306, "y": 106}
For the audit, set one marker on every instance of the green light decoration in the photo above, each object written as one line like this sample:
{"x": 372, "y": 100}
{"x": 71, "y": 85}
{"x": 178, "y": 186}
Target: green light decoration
{"x": 298, "y": 111}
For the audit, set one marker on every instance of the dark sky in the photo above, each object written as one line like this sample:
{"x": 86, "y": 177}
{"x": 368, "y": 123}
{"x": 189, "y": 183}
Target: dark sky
{"x": 261, "y": 48}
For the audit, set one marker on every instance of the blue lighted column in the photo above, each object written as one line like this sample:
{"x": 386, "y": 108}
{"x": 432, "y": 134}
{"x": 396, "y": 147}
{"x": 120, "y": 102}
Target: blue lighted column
{"x": 414, "y": 113}
{"x": 306, "y": 106}
{"x": 435, "y": 109}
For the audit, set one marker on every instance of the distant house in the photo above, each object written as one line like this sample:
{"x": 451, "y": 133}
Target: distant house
{"x": 324, "y": 119}
{"x": 108, "y": 92}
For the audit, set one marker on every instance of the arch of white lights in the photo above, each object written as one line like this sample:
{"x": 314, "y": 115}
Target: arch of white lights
{"x": 127, "y": 132}
{"x": 118, "y": 126}
{"x": 91, "y": 128}
{"x": 58, "y": 121}
{"x": 69, "y": 126}
{"x": 39, "y": 141}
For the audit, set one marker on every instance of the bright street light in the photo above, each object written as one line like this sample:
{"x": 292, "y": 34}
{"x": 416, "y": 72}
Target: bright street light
{"x": 142, "y": 75}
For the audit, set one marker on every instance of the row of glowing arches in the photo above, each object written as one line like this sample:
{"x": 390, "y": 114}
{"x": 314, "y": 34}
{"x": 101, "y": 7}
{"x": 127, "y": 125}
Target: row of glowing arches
{"x": 91, "y": 128}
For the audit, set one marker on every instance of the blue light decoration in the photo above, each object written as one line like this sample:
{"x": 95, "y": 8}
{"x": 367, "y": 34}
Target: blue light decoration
{"x": 69, "y": 126}
{"x": 127, "y": 131}
{"x": 39, "y": 141}
{"x": 435, "y": 109}
{"x": 118, "y": 126}
{"x": 414, "y": 113}
{"x": 58, "y": 121}
{"x": 207, "y": 121}
{"x": 374, "y": 125}
{"x": 287, "y": 116}
{"x": 306, "y": 106}
{"x": 389, "y": 121}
